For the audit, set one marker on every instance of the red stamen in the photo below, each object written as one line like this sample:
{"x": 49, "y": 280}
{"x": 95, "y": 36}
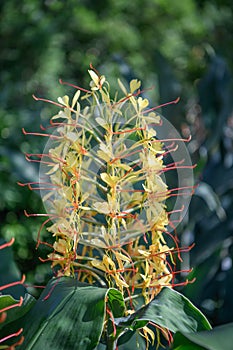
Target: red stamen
{"x": 166, "y": 332}
{"x": 40, "y": 134}
{"x": 13, "y": 306}
{"x": 52, "y": 216}
{"x": 175, "y": 139}
{"x": 13, "y": 283}
{"x": 38, "y": 161}
{"x": 33, "y": 286}
{"x": 138, "y": 92}
{"x": 171, "y": 145}
{"x": 175, "y": 240}
{"x": 125, "y": 156}
{"x": 56, "y": 124}
{"x": 171, "y": 150}
{"x": 74, "y": 86}
{"x": 3, "y": 317}
{"x": 175, "y": 250}
{"x": 179, "y": 167}
{"x": 44, "y": 243}
{"x": 11, "y": 335}
{"x": 130, "y": 298}
{"x": 162, "y": 105}
{"x": 168, "y": 274}
{"x": 8, "y": 244}
{"x": 20, "y": 342}
{"x": 41, "y": 228}
{"x": 95, "y": 70}
{"x": 49, "y": 101}
{"x": 112, "y": 319}
{"x": 125, "y": 131}
{"x": 130, "y": 170}
{"x": 183, "y": 188}
{"x": 29, "y": 185}
{"x": 51, "y": 290}
{"x": 175, "y": 163}
{"x": 40, "y": 155}
{"x": 176, "y": 211}
{"x": 181, "y": 283}
{"x": 42, "y": 127}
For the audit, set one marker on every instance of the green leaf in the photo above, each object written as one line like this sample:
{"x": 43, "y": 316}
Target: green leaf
{"x": 216, "y": 339}
{"x": 189, "y": 346}
{"x": 169, "y": 309}
{"x": 68, "y": 315}
{"x": 116, "y": 302}
{"x": 18, "y": 311}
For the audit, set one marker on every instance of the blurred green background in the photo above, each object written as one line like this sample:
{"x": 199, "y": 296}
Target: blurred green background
{"x": 181, "y": 48}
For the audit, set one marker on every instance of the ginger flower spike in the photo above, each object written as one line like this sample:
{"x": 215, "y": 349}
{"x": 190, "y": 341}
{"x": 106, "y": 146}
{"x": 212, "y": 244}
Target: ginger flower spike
{"x": 116, "y": 180}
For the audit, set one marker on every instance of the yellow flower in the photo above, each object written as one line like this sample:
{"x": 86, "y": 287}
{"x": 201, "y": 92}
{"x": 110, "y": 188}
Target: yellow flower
{"x": 108, "y": 266}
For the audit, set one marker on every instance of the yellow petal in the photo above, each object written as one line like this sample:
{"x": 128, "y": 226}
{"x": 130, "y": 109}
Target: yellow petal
{"x": 102, "y": 123}
{"x": 134, "y": 85}
{"x": 64, "y": 100}
{"x": 103, "y": 155}
{"x": 98, "y": 264}
{"x": 94, "y": 77}
{"x": 110, "y": 180}
{"x": 142, "y": 103}
{"x": 122, "y": 257}
{"x": 101, "y": 207}
{"x": 110, "y": 265}
{"x": 75, "y": 98}
{"x": 122, "y": 87}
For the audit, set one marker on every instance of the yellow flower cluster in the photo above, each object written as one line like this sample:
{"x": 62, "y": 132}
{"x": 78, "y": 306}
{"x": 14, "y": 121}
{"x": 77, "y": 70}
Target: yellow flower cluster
{"x": 106, "y": 194}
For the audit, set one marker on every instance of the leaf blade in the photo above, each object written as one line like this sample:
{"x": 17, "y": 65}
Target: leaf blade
{"x": 170, "y": 310}
{"x": 216, "y": 339}
{"x": 67, "y": 315}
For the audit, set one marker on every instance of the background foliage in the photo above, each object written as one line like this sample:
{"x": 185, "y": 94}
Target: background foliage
{"x": 182, "y": 49}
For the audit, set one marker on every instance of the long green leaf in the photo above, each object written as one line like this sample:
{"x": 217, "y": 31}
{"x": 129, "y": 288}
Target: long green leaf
{"x": 169, "y": 309}
{"x": 68, "y": 315}
{"x": 218, "y": 338}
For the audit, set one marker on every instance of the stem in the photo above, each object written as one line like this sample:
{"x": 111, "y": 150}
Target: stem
{"x": 111, "y": 344}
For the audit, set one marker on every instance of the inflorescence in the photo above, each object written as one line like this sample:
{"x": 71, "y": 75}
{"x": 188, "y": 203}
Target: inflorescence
{"x": 103, "y": 181}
